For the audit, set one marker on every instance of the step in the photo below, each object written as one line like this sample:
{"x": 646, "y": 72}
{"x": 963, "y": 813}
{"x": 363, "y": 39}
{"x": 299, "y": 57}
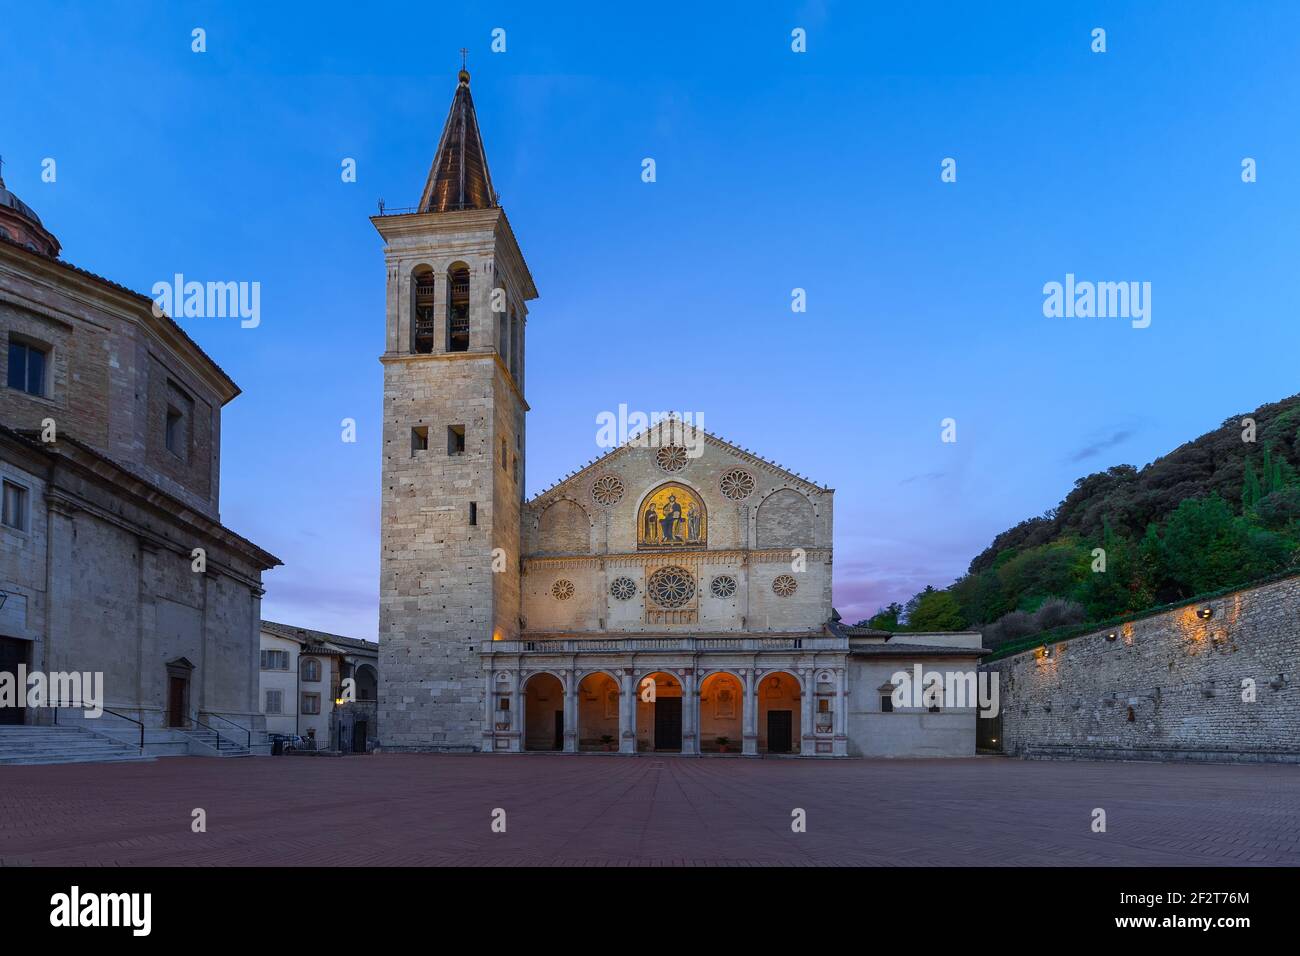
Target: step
{"x": 80, "y": 758}
{"x": 54, "y": 745}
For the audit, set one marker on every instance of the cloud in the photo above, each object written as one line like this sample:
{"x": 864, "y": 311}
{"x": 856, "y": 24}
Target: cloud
{"x": 1095, "y": 448}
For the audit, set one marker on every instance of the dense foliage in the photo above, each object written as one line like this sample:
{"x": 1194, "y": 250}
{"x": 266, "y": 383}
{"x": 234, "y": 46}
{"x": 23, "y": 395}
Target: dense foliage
{"x": 1217, "y": 512}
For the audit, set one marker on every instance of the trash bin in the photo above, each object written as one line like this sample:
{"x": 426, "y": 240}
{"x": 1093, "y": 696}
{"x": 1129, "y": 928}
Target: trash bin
{"x": 277, "y": 748}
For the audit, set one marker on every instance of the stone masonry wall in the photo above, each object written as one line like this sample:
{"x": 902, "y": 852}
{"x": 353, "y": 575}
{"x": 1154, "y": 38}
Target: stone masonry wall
{"x": 1174, "y": 685}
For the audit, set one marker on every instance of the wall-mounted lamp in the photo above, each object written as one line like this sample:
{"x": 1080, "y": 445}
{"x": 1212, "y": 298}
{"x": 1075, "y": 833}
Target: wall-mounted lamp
{"x": 1112, "y": 636}
{"x": 1205, "y": 612}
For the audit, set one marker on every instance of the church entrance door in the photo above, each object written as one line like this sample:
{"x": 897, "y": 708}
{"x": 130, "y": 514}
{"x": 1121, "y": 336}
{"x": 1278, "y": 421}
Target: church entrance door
{"x": 12, "y": 653}
{"x": 779, "y": 725}
{"x": 668, "y": 724}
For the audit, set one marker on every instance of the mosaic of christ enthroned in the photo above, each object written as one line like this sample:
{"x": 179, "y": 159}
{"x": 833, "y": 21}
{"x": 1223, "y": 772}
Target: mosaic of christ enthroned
{"x": 672, "y": 517}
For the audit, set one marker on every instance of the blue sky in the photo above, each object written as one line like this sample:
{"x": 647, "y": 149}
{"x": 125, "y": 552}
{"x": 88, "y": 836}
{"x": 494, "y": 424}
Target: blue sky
{"x": 775, "y": 170}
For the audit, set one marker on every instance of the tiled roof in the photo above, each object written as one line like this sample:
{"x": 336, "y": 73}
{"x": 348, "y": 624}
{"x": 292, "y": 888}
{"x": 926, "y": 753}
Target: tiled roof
{"x": 307, "y": 635}
{"x": 916, "y": 650}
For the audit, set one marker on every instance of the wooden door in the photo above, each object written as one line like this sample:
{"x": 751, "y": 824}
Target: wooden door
{"x": 177, "y": 688}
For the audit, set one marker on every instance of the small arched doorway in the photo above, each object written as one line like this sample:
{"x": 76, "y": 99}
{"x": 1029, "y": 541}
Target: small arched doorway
{"x": 598, "y": 713}
{"x": 367, "y": 679}
{"x": 722, "y": 702}
{"x": 659, "y": 713}
{"x": 543, "y": 713}
{"x": 779, "y": 702}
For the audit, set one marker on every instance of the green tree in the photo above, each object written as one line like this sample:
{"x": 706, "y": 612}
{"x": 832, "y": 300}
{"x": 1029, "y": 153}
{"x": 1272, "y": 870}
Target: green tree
{"x": 933, "y": 610}
{"x": 1204, "y": 547}
{"x": 885, "y": 618}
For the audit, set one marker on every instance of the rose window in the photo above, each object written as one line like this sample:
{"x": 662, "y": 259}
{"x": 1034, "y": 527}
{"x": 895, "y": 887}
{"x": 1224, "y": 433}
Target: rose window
{"x": 785, "y": 585}
{"x": 671, "y": 458}
{"x": 562, "y": 590}
{"x": 737, "y": 485}
{"x": 671, "y": 587}
{"x": 607, "y": 490}
{"x": 724, "y": 586}
{"x": 623, "y": 588}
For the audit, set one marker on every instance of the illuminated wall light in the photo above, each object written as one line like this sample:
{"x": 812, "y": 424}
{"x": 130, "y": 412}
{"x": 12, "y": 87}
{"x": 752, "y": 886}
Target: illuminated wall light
{"x": 1205, "y": 613}
{"x": 1112, "y": 636}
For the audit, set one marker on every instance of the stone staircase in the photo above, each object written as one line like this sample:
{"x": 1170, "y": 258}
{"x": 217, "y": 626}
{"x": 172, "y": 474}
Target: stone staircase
{"x": 46, "y": 745}
{"x": 217, "y": 745}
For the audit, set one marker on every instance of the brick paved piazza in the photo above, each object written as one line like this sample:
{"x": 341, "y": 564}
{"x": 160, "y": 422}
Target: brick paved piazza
{"x": 596, "y": 810}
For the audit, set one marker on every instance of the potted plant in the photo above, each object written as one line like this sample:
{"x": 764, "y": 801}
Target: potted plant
{"x": 608, "y": 741}
{"x": 722, "y": 744}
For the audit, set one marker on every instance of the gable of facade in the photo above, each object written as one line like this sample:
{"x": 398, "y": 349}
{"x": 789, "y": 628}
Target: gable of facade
{"x": 666, "y": 532}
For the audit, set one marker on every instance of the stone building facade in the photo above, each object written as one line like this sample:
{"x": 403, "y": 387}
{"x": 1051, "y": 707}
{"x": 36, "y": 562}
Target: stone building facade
{"x": 672, "y": 596}
{"x": 1211, "y": 680}
{"x": 110, "y": 437}
{"x": 303, "y": 675}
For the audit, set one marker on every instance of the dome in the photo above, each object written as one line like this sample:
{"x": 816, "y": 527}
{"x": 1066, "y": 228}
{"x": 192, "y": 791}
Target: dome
{"x": 20, "y": 224}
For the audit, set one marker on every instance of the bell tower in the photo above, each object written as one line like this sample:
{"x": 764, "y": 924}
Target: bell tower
{"x": 453, "y": 444}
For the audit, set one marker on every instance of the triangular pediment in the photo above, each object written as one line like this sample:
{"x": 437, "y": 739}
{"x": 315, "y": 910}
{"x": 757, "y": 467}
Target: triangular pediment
{"x": 667, "y": 433}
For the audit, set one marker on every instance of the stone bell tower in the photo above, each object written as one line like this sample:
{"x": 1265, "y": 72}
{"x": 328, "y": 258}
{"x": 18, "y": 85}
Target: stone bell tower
{"x": 453, "y": 444}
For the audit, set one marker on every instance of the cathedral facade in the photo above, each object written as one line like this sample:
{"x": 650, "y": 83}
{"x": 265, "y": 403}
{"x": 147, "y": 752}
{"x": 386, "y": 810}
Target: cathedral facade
{"x": 672, "y": 596}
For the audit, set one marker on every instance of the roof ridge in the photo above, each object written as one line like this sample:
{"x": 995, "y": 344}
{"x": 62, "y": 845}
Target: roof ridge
{"x": 752, "y": 456}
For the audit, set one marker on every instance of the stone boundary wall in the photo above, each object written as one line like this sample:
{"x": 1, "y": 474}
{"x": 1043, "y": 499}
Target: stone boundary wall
{"x": 1173, "y": 686}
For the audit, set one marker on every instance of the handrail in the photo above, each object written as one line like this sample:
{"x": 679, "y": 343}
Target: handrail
{"x": 246, "y": 730}
{"x": 115, "y": 714}
{"x": 214, "y": 730}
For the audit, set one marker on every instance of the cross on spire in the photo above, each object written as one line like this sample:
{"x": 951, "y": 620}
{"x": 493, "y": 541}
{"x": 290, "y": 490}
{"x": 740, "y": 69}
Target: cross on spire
{"x": 463, "y": 54}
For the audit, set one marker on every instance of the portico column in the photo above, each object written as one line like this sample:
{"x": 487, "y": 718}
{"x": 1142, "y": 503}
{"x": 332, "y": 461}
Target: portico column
{"x": 627, "y": 712}
{"x": 570, "y": 712}
{"x": 841, "y": 716}
{"x": 517, "y": 708}
{"x": 690, "y": 713}
{"x": 489, "y": 715}
{"x": 749, "y": 734}
{"x": 807, "y": 714}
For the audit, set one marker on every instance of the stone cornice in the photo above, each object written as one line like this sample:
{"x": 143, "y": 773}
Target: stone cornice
{"x": 646, "y": 558}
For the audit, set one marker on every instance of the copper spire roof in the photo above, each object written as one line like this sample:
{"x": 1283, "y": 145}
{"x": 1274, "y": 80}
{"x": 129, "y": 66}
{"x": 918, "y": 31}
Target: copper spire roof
{"x": 459, "y": 177}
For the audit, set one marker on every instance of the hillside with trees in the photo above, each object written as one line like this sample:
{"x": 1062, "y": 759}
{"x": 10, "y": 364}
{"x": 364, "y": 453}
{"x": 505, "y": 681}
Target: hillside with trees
{"x": 1217, "y": 512}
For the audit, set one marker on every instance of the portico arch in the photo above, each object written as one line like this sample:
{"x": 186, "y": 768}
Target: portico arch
{"x": 722, "y": 709}
{"x": 543, "y": 712}
{"x": 659, "y": 713}
{"x": 780, "y": 697}
{"x": 598, "y": 704}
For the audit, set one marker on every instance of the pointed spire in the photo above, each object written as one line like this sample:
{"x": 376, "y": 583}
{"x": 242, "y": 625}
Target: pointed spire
{"x": 459, "y": 177}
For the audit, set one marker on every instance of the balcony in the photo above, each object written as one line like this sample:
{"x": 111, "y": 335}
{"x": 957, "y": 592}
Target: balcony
{"x": 639, "y": 644}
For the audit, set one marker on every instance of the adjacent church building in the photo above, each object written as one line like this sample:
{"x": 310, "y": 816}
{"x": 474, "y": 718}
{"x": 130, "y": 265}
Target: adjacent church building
{"x": 113, "y": 557}
{"x": 672, "y": 596}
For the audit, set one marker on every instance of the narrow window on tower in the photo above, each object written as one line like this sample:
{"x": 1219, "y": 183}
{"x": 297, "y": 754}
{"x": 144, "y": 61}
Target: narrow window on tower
{"x": 458, "y": 309}
{"x": 422, "y": 315}
{"x": 473, "y": 512}
{"x": 514, "y": 345}
{"x": 505, "y": 462}
{"x": 455, "y": 439}
{"x": 503, "y": 334}
{"x": 419, "y": 438}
